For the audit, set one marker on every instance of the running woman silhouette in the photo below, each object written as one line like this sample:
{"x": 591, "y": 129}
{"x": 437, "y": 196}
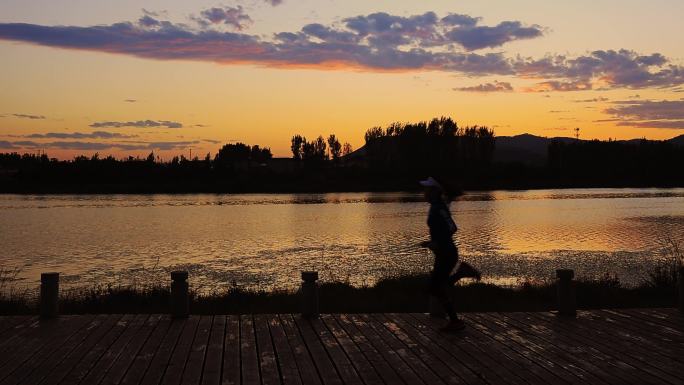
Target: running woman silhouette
{"x": 442, "y": 228}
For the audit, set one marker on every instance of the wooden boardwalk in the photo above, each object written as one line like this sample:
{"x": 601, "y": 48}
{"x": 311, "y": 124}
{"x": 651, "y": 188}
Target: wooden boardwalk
{"x": 635, "y": 346}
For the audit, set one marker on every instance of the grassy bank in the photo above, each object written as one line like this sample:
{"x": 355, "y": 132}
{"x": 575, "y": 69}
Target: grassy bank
{"x": 402, "y": 294}
{"x": 396, "y": 294}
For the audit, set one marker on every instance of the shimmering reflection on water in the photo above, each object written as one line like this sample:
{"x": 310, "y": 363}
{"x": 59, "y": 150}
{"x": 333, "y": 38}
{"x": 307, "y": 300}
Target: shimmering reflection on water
{"x": 264, "y": 240}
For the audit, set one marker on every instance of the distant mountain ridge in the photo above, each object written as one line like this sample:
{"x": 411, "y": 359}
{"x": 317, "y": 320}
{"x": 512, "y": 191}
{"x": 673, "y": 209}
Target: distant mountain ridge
{"x": 532, "y": 149}
{"x": 525, "y": 148}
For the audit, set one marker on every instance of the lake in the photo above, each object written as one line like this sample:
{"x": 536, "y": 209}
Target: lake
{"x": 264, "y": 240}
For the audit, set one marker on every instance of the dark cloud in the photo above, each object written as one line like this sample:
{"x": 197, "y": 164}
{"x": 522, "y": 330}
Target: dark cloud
{"x": 558, "y": 111}
{"x": 212, "y": 141}
{"x": 139, "y": 124}
{"x": 27, "y": 116}
{"x": 274, "y": 2}
{"x": 374, "y": 42}
{"x": 555, "y": 85}
{"x": 99, "y": 146}
{"x": 592, "y": 100}
{"x": 607, "y": 69}
{"x": 648, "y": 113}
{"x": 478, "y": 37}
{"x": 7, "y": 145}
{"x": 234, "y": 17}
{"x": 488, "y": 87}
{"x": 130, "y": 100}
{"x": 79, "y": 135}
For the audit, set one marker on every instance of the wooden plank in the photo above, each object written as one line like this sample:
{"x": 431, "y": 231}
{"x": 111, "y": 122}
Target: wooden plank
{"x": 305, "y": 364}
{"x": 659, "y": 326}
{"x": 211, "y": 373}
{"x": 176, "y": 365}
{"x": 77, "y": 365}
{"x": 143, "y": 359}
{"x": 523, "y": 349}
{"x": 440, "y": 364}
{"x": 13, "y": 326}
{"x": 193, "y": 368}
{"x": 661, "y": 339}
{"x": 527, "y": 370}
{"x": 162, "y": 356}
{"x": 125, "y": 359}
{"x": 628, "y": 352}
{"x": 467, "y": 348}
{"x": 231, "y": 354}
{"x": 363, "y": 367}
{"x": 450, "y": 354}
{"x": 45, "y": 336}
{"x": 344, "y": 367}
{"x": 248, "y": 352}
{"x": 9, "y": 325}
{"x": 670, "y": 317}
{"x": 566, "y": 363}
{"x": 79, "y": 371}
{"x": 40, "y": 364}
{"x": 109, "y": 358}
{"x": 21, "y": 334}
{"x": 53, "y": 367}
{"x": 412, "y": 358}
{"x": 645, "y": 354}
{"x": 616, "y": 372}
{"x": 320, "y": 357}
{"x": 286, "y": 358}
{"x": 270, "y": 373}
{"x": 395, "y": 360}
{"x": 374, "y": 357}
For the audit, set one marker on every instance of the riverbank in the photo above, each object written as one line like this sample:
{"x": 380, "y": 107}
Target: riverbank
{"x": 400, "y": 294}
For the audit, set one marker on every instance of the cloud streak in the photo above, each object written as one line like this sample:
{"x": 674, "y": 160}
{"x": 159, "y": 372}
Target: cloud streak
{"x": 488, "y": 87}
{"x": 80, "y": 135}
{"x": 374, "y": 42}
{"x": 138, "y": 124}
{"x": 648, "y": 113}
{"x": 28, "y": 116}
{"x": 98, "y": 146}
{"x": 234, "y": 17}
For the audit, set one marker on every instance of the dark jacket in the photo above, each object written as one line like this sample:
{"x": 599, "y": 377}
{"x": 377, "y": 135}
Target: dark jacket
{"x": 442, "y": 226}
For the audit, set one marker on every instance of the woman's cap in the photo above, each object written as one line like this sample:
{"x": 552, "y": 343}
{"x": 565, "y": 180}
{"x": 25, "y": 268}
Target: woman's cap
{"x": 430, "y": 182}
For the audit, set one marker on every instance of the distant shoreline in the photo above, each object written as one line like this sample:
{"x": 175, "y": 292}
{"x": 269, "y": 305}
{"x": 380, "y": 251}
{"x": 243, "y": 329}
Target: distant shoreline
{"x": 176, "y": 190}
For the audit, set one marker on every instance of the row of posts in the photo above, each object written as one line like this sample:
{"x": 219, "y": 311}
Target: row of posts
{"x": 180, "y": 298}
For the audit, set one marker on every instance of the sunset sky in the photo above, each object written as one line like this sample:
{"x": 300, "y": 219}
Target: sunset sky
{"x": 128, "y": 77}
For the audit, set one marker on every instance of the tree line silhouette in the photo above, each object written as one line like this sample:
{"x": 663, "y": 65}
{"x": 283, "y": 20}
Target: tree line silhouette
{"x": 393, "y": 158}
{"x": 319, "y": 149}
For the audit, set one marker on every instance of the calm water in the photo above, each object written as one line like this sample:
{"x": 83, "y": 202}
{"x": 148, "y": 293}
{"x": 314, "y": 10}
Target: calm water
{"x": 264, "y": 241}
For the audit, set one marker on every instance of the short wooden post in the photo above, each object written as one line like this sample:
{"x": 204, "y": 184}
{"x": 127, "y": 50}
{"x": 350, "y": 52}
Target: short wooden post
{"x": 567, "y": 302}
{"x": 180, "y": 300}
{"x": 310, "y": 306}
{"x": 49, "y": 295}
{"x": 680, "y": 282}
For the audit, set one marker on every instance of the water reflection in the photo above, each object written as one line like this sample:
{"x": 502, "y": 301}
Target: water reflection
{"x": 264, "y": 240}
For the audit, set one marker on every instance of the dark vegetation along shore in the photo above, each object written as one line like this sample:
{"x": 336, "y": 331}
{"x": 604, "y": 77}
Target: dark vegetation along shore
{"x": 393, "y": 158}
{"x": 398, "y": 294}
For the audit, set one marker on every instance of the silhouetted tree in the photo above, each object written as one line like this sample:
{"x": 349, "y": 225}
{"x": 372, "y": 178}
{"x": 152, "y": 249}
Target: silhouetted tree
{"x": 347, "y": 149}
{"x": 335, "y": 147}
{"x": 297, "y": 146}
